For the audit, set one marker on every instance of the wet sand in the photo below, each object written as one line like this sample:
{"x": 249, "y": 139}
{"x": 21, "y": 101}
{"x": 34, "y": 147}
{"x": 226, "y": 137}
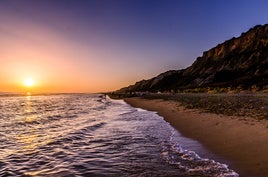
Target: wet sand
{"x": 241, "y": 140}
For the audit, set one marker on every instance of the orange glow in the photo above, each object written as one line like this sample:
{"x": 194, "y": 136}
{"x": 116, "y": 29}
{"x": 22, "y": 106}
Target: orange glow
{"x": 29, "y": 82}
{"x": 54, "y": 63}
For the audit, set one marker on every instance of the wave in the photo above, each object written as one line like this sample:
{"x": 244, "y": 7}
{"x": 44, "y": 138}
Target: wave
{"x": 90, "y": 135}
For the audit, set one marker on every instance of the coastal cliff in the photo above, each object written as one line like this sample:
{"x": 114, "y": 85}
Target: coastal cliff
{"x": 238, "y": 63}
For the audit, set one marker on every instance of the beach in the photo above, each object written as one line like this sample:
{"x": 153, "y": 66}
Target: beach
{"x": 242, "y": 140}
{"x": 93, "y": 135}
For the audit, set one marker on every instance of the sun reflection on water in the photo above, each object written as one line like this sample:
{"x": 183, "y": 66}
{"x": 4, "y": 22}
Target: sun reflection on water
{"x": 30, "y": 137}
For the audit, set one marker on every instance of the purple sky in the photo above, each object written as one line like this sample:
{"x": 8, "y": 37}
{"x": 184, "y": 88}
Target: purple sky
{"x": 108, "y": 44}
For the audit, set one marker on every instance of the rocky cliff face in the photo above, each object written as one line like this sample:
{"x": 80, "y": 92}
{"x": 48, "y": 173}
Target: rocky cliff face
{"x": 239, "y": 62}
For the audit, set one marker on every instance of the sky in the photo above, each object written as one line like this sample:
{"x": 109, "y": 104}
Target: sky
{"x": 103, "y": 45}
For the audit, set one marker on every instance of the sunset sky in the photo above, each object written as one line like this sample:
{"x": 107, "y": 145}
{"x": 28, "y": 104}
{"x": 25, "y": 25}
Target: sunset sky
{"x": 103, "y": 45}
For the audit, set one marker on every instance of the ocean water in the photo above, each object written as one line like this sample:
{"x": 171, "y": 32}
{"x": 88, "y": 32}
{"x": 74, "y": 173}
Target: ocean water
{"x": 90, "y": 135}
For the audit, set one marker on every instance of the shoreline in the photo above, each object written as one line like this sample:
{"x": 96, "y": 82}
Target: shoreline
{"x": 240, "y": 140}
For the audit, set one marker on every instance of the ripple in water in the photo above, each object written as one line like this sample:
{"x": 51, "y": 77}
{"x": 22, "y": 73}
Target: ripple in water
{"x": 87, "y": 135}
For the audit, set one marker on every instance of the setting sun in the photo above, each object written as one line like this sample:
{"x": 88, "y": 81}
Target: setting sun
{"x": 28, "y": 82}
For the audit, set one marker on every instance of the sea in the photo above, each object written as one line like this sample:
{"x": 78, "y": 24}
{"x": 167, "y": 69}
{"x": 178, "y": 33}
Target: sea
{"x": 92, "y": 135}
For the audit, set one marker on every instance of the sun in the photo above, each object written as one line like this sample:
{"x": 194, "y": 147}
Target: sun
{"x": 29, "y": 82}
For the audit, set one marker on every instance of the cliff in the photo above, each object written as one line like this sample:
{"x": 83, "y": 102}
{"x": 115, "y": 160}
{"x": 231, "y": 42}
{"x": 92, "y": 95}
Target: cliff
{"x": 239, "y": 62}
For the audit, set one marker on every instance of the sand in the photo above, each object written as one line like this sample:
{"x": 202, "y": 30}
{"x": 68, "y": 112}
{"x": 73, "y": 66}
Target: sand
{"x": 243, "y": 141}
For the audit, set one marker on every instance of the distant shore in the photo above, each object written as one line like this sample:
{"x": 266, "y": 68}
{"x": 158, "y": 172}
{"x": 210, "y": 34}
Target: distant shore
{"x": 240, "y": 136}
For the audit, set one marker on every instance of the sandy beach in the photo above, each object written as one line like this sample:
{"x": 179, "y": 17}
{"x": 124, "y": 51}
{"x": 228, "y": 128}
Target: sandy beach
{"x": 242, "y": 140}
